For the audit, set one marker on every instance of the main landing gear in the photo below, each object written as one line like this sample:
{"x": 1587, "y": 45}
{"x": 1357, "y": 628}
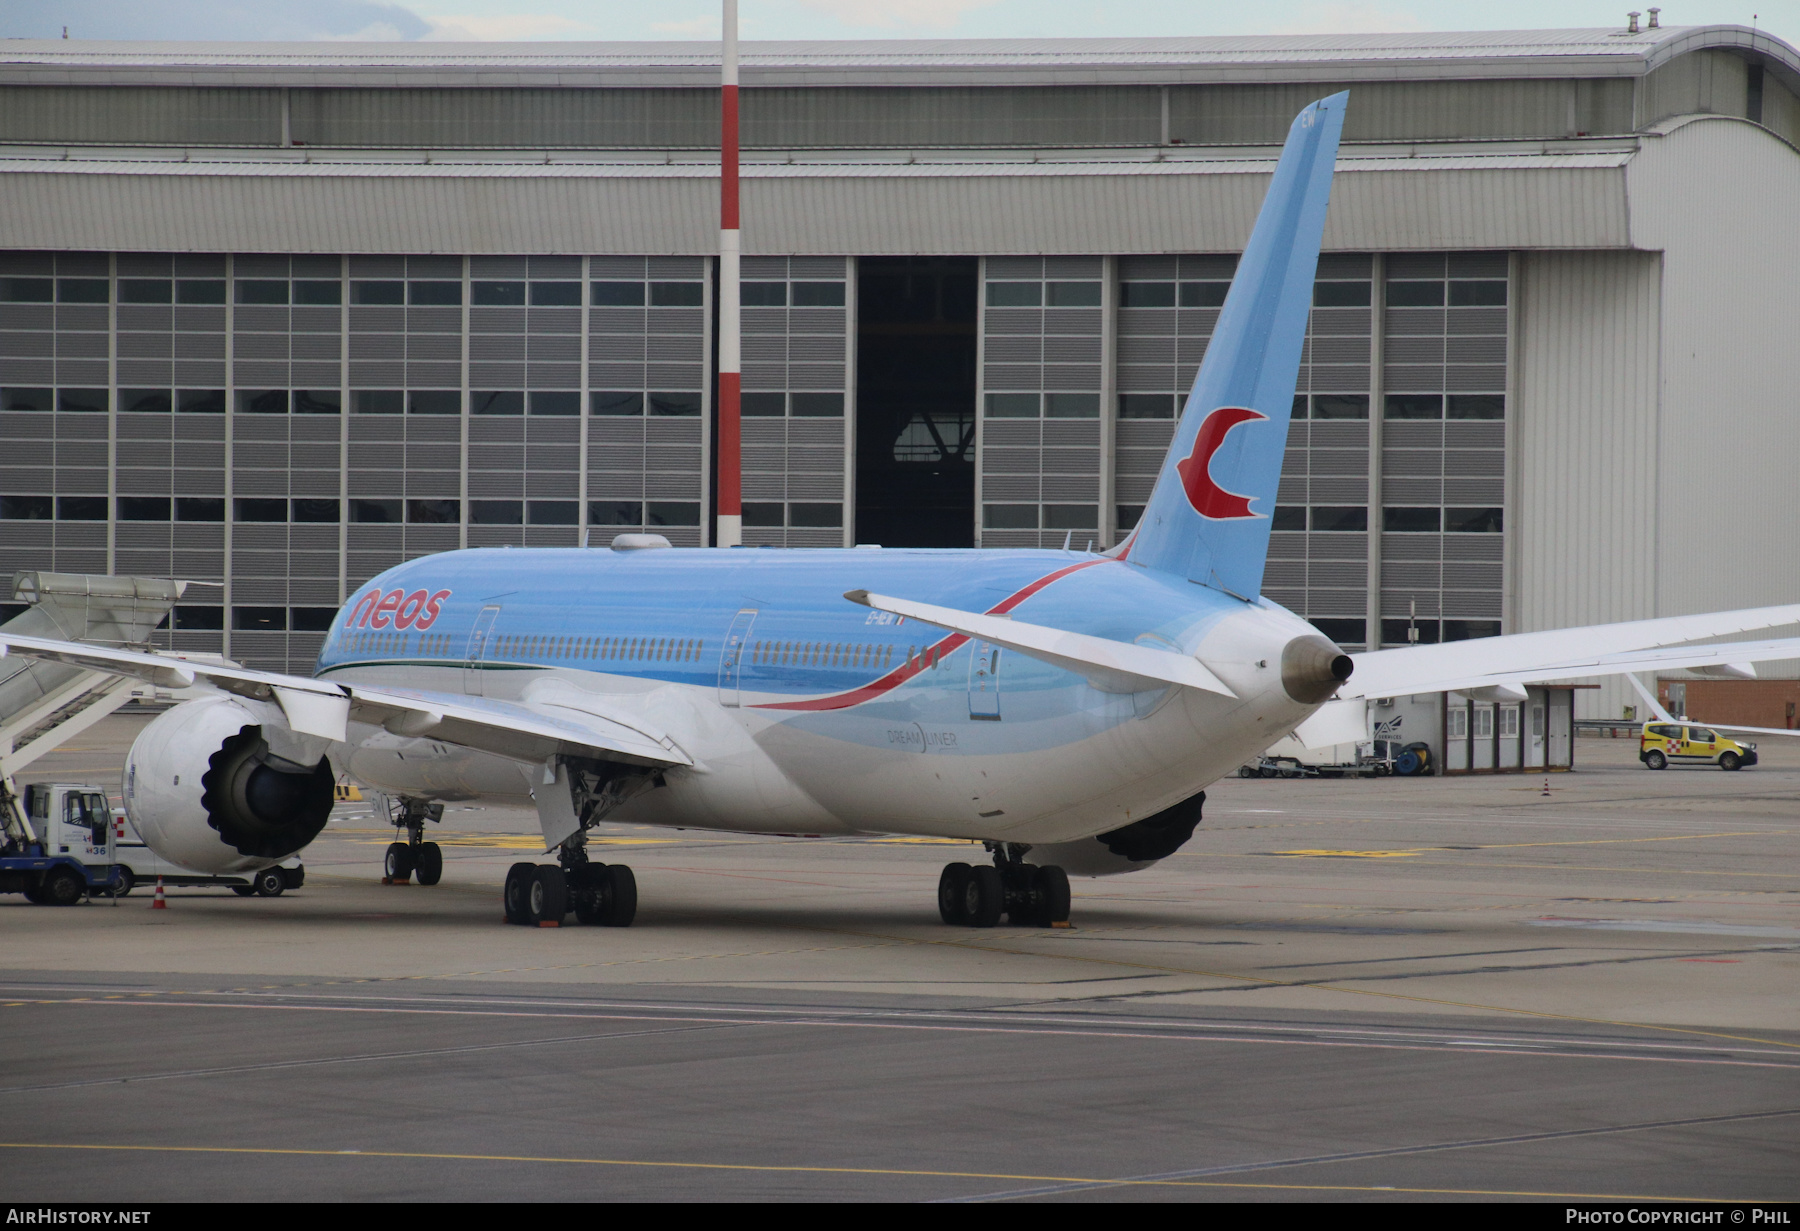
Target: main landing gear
{"x": 415, "y": 858}
{"x": 1028, "y": 895}
{"x": 543, "y": 894}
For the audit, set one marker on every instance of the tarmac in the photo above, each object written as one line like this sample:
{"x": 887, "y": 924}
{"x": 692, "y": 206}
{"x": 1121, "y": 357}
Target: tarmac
{"x": 1585, "y": 987}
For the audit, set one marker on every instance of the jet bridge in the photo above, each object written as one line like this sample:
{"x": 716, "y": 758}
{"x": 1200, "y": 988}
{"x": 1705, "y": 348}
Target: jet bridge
{"x": 43, "y": 705}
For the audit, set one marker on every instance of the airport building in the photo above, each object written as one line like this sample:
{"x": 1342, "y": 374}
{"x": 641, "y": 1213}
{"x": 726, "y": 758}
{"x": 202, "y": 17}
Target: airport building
{"x": 278, "y": 316}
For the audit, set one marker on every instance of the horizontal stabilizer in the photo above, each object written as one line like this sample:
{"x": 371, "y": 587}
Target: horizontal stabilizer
{"x": 1110, "y": 666}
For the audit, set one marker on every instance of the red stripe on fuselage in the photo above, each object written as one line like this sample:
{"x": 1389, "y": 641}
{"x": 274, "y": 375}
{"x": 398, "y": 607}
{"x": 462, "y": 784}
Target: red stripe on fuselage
{"x": 941, "y": 648}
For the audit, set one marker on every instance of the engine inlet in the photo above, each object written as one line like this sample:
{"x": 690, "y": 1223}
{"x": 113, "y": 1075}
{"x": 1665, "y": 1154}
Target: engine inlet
{"x": 1312, "y": 669}
{"x": 261, "y": 806}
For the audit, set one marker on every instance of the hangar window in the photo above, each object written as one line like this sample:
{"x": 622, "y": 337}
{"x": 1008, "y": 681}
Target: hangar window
{"x": 1394, "y": 632}
{"x": 817, "y": 405}
{"x": 676, "y": 294}
{"x": 1475, "y": 406}
{"x": 556, "y": 294}
{"x": 1288, "y": 517}
{"x": 999, "y": 406}
{"x": 816, "y": 515}
{"x": 200, "y": 290}
{"x": 199, "y": 508}
{"x": 1128, "y": 516}
{"x": 1015, "y": 294}
{"x": 26, "y": 508}
{"x": 201, "y": 618}
{"x": 1414, "y": 406}
{"x": 318, "y": 402}
{"x": 433, "y": 402}
{"x": 684, "y": 405}
{"x": 26, "y": 290}
{"x": 1341, "y": 518}
{"x": 433, "y": 512}
{"x": 262, "y": 291}
{"x": 1204, "y": 294}
{"x": 614, "y": 403}
{"x": 372, "y": 293}
{"x": 1408, "y": 520}
{"x": 1071, "y": 405}
{"x": 618, "y": 294}
{"x": 144, "y": 508}
{"x": 1010, "y": 516}
{"x": 434, "y": 294}
{"x": 91, "y": 401}
{"x": 560, "y": 402}
{"x": 1071, "y": 517}
{"x": 1146, "y": 294}
{"x": 375, "y": 511}
{"x": 259, "y": 619}
{"x": 615, "y": 513}
{"x": 496, "y": 512}
{"x": 1465, "y": 630}
{"x": 81, "y": 508}
{"x": 83, "y": 290}
{"x": 497, "y": 294}
{"x": 1072, "y": 294}
{"x": 1343, "y": 632}
{"x": 27, "y": 399}
{"x": 259, "y": 509}
{"x": 1150, "y": 405}
{"x": 1340, "y": 294}
{"x": 262, "y": 401}
{"x": 146, "y": 401}
{"x": 318, "y": 292}
{"x": 1473, "y": 521}
{"x": 315, "y": 510}
{"x": 763, "y": 405}
{"x": 1340, "y": 406}
{"x": 377, "y": 401}
{"x": 818, "y": 294}
{"x": 552, "y": 512}
{"x": 145, "y": 290}
{"x": 311, "y": 619}
{"x": 763, "y": 294}
{"x": 1488, "y": 293}
{"x": 200, "y": 401}
{"x": 672, "y": 513}
{"x": 765, "y": 515}
{"x": 1415, "y": 294}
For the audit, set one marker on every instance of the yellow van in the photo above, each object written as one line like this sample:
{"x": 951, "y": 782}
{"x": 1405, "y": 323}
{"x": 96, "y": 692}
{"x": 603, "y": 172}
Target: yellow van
{"x": 1665, "y": 742}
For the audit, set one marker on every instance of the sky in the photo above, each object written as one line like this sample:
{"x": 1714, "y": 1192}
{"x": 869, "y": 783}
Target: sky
{"x": 833, "y": 19}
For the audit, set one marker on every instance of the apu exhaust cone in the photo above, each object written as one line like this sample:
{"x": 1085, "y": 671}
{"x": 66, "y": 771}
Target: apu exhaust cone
{"x": 1312, "y": 669}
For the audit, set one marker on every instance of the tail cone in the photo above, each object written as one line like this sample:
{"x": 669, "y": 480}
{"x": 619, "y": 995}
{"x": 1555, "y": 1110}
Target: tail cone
{"x": 1312, "y": 669}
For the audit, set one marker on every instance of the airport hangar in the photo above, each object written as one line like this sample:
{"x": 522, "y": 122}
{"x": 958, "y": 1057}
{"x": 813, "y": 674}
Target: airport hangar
{"x": 279, "y": 316}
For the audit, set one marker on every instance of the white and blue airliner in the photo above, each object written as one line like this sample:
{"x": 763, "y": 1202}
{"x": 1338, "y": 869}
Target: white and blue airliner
{"x": 1066, "y": 709}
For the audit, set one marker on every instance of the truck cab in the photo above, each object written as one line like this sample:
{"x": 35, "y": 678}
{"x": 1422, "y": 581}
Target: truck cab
{"x": 1674, "y": 743}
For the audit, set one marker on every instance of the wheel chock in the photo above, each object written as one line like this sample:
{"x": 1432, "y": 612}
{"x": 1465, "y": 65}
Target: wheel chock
{"x": 548, "y": 923}
{"x": 1061, "y": 923}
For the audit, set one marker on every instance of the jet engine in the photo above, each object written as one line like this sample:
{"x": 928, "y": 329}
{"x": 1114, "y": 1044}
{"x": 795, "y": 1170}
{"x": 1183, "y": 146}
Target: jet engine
{"x": 222, "y": 785}
{"x": 1130, "y": 848}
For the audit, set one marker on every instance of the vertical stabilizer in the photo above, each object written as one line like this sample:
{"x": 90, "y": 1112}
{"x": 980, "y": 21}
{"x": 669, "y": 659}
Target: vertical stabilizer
{"x": 1208, "y": 519}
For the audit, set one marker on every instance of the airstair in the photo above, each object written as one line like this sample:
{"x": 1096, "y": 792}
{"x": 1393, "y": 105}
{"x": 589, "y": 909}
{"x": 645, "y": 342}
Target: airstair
{"x": 43, "y": 705}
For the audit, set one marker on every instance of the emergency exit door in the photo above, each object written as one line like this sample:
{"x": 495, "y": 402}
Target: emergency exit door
{"x": 984, "y": 682}
{"x": 731, "y": 658}
{"x": 477, "y": 651}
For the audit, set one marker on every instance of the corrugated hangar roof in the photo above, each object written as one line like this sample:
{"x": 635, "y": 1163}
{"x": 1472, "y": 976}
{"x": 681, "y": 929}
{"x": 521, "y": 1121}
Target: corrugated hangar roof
{"x": 1343, "y": 57}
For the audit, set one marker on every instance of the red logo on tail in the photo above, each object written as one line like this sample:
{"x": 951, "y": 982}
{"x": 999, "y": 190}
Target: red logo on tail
{"x": 1208, "y": 498}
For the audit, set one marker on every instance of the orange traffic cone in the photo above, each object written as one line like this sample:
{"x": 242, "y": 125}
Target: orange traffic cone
{"x": 158, "y": 903}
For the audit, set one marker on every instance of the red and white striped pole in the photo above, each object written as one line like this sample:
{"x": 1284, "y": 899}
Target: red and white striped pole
{"x": 730, "y": 464}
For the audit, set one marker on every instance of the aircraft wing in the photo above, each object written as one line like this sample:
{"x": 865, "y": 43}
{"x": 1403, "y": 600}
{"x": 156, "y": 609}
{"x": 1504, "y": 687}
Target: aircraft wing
{"x": 1663, "y": 715}
{"x": 1111, "y": 666}
{"x": 1600, "y": 649}
{"x": 518, "y": 731}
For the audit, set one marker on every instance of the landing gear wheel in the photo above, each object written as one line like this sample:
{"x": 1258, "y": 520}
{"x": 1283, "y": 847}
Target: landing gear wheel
{"x": 244, "y": 891}
{"x": 587, "y": 893}
{"x": 953, "y": 888}
{"x": 1245, "y": 771}
{"x": 1265, "y": 771}
{"x": 547, "y": 898}
{"x": 984, "y": 897}
{"x": 518, "y": 889}
{"x": 1730, "y": 761}
{"x": 1053, "y": 895}
{"x": 620, "y": 887}
{"x": 268, "y": 883}
{"x": 126, "y": 883}
{"x": 1655, "y": 760}
{"x": 398, "y": 865}
{"x": 64, "y": 887}
{"x": 428, "y": 866}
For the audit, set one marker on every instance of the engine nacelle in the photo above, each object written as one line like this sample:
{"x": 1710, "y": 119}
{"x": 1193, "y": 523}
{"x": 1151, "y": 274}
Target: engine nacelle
{"x": 1131, "y": 848}
{"x": 207, "y": 791}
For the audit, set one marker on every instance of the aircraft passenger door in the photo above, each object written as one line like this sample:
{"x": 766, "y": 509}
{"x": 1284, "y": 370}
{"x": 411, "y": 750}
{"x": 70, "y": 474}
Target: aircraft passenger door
{"x": 984, "y": 682}
{"x": 478, "y": 646}
{"x": 731, "y": 658}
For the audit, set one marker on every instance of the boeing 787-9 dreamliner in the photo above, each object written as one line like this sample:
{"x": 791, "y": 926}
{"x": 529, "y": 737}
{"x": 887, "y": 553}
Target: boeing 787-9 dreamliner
{"x": 1066, "y": 709}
